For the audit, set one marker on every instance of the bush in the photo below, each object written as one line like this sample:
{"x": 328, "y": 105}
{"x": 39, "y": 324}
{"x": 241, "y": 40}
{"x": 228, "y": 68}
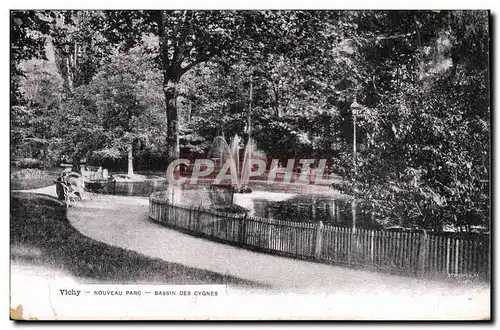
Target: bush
{"x": 28, "y": 173}
{"x": 28, "y": 163}
{"x": 31, "y": 178}
{"x": 234, "y": 208}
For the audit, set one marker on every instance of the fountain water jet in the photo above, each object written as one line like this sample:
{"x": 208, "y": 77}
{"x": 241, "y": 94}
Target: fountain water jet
{"x": 231, "y": 152}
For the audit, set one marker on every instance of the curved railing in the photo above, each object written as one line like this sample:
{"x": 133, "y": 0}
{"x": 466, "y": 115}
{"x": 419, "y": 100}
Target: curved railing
{"x": 411, "y": 253}
{"x": 126, "y": 188}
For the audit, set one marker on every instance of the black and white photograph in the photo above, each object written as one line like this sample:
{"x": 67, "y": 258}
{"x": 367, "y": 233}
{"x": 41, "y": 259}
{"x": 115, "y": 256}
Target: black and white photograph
{"x": 250, "y": 164}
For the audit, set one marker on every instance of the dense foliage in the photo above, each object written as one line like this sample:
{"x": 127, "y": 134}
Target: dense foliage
{"x": 155, "y": 85}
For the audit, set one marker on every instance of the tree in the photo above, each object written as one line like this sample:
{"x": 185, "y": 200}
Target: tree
{"x": 27, "y": 42}
{"x": 79, "y": 129}
{"x": 41, "y": 88}
{"x": 188, "y": 38}
{"x": 127, "y": 96}
{"x": 422, "y": 159}
{"x": 422, "y": 79}
{"x": 295, "y": 69}
{"x": 78, "y": 47}
{"x": 77, "y": 42}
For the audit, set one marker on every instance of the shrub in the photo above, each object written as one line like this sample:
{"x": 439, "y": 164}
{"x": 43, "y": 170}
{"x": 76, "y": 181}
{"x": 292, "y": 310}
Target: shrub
{"x": 30, "y": 178}
{"x": 234, "y": 208}
{"x": 28, "y": 163}
{"x": 28, "y": 173}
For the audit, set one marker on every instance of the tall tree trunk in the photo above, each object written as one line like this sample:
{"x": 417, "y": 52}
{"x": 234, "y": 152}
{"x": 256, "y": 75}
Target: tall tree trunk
{"x": 190, "y": 109}
{"x": 172, "y": 118}
{"x": 277, "y": 109}
{"x": 130, "y": 171}
{"x": 64, "y": 67}
{"x": 171, "y": 76}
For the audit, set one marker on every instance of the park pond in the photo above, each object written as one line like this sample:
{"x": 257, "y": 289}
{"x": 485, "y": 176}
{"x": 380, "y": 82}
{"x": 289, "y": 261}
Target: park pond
{"x": 326, "y": 205}
{"x": 280, "y": 201}
{"x": 290, "y": 202}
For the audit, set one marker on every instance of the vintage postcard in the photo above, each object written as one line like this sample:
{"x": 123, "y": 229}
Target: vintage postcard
{"x": 250, "y": 165}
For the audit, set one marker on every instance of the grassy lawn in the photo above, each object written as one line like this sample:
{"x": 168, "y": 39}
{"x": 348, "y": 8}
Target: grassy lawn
{"x": 38, "y": 223}
{"x": 21, "y": 179}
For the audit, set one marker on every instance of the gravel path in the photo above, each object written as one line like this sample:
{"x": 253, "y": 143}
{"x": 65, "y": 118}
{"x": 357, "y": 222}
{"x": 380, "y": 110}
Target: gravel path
{"x": 123, "y": 222}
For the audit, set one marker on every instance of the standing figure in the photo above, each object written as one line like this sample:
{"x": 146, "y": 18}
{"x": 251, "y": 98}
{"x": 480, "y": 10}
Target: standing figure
{"x": 60, "y": 182}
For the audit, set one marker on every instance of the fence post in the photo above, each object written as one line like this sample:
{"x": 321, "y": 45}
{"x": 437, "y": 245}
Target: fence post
{"x": 159, "y": 211}
{"x": 243, "y": 230}
{"x": 269, "y": 235}
{"x": 372, "y": 247}
{"x": 198, "y": 224}
{"x": 422, "y": 253}
{"x": 448, "y": 256}
{"x": 190, "y": 215}
{"x": 318, "y": 240}
{"x": 162, "y": 211}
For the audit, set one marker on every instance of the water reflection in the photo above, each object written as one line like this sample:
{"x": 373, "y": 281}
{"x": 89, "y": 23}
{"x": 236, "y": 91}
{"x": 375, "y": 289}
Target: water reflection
{"x": 305, "y": 208}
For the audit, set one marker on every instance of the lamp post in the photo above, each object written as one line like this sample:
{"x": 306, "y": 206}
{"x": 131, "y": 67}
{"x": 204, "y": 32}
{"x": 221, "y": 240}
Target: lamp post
{"x": 248, "y": 158}
{"x": 355, "y": 107}
{"x": 249, "y": 112}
